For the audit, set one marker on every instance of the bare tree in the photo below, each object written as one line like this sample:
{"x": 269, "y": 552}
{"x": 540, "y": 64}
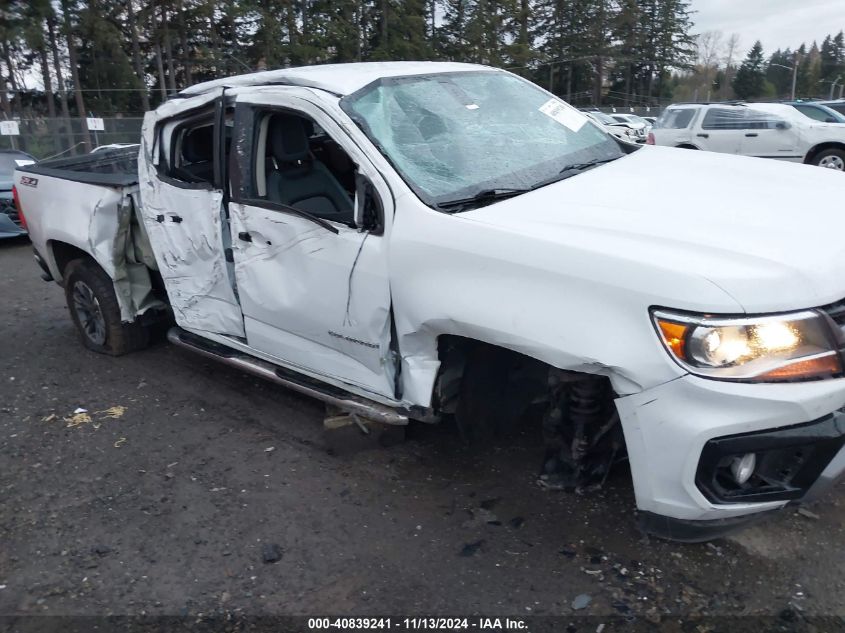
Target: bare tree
{"x": 709, "y": 45}
{"x": 731, "y": 50}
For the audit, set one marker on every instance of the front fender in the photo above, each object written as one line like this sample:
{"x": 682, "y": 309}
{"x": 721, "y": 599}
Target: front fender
{"x": 562, "y": 304}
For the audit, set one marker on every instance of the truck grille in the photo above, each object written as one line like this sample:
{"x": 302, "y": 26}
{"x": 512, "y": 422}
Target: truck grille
{"x": 7, "y": 206}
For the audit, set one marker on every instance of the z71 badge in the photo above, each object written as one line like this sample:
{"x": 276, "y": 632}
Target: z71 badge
{"x": 29, "y": 181}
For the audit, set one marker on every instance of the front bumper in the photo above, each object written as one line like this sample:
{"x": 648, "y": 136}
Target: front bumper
{"x": 678, "y": 432}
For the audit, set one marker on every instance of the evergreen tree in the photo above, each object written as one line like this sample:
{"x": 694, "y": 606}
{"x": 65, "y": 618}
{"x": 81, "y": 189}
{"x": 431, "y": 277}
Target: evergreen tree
{"x": 399, "y": 30}
{"x": 750, "y": 80}
{"x": 563, "y": 27}
{"x": 779, "y": 73}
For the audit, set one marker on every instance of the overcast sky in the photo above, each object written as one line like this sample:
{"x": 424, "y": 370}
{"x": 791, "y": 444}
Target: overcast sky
{"x": 776, "y": 23}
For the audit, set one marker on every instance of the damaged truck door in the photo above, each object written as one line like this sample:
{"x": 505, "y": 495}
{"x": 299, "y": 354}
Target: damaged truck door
{"x": 312, "y": 281}
{"x": 184, "y": 214}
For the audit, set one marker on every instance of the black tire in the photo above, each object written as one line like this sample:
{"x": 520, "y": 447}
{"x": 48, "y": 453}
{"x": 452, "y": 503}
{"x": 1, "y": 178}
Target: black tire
{"x": 831, "y": 159}
{"x": 93, "y": 306}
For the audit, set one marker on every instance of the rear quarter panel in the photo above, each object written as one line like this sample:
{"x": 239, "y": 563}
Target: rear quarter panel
{"x": 79, "y": 214}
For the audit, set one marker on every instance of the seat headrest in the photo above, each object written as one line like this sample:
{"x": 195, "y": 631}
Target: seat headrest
{"x": 198, "y": 145}
{"x": 288, "y": 138}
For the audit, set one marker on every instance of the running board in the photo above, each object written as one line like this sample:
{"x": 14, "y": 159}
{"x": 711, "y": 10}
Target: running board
{"x": 297, "y": 382}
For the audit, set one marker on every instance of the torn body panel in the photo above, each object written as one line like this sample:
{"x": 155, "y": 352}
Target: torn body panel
{"x": 186, "y": 225}
{"x": 97, "y": 220}
{"x": 189, "y": 251}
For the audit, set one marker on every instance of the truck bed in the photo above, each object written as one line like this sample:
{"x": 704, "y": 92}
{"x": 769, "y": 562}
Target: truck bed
{"x": 88, "y": 205}
{"x": 111, "y": 167}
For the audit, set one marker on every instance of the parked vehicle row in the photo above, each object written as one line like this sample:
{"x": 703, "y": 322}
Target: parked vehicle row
{"x": 782, "y": 131}
{"x": 437, "y": 241}
{"x": 619, "y": 129}
{"x": 837, "y": 105}
{"x": 642, "y": 125}
{"x": 10, "y": 223}
{"x": 817, "y": 111}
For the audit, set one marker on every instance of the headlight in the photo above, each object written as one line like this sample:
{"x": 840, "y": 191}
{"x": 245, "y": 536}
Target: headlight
{"x": 796, "y": 346}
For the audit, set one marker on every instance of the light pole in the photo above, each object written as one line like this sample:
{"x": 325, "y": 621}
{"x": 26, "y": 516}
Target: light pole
{"x": 794, "y": 70}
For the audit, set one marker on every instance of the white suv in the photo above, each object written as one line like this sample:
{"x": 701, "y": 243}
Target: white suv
{"x": 765, "y": 130}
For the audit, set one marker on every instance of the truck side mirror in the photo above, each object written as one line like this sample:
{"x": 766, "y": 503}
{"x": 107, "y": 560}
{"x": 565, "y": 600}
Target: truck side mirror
{"x": 368, "y": 210}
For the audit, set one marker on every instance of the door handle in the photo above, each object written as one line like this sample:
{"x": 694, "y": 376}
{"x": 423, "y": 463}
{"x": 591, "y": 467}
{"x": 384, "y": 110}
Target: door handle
{"x": 752, "y": 134}
{"x": 246, "y": 237}
{"x": 703, "y": 135}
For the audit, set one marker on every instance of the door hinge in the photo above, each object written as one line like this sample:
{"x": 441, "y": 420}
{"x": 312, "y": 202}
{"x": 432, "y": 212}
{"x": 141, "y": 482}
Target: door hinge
{"x": 229, "y": 255}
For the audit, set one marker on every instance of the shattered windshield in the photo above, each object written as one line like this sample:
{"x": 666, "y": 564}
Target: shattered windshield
{"x": 458, "y": 135}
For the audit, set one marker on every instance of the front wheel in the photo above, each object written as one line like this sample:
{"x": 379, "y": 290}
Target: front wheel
{"x": 830, "y": 159}
{"x": 96, "y": 313}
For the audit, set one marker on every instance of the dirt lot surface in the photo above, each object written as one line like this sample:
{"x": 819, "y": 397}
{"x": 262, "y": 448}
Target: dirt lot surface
{"x": 189, "y": 477}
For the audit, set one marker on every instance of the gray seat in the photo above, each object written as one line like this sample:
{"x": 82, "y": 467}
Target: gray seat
{"x": 198, "y": 155}
{"x": 299, "y": 180}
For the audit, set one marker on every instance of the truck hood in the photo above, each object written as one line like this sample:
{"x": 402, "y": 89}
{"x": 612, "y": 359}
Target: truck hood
{"x": 769, "y": 234}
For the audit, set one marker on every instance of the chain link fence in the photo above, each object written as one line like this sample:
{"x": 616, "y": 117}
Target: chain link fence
{"x": 47, "y": 138}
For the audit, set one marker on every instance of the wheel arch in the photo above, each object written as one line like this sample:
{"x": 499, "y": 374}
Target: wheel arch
{"x": 456, "y": 352}
{"x": 687, "y": 146}
{"x": 61, "y": 254}
{"x": 817, "y": 149}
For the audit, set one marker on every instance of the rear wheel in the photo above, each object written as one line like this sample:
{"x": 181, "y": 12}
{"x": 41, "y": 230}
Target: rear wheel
{"x": 830, "y": 159}
{"x": 96, "y": 313}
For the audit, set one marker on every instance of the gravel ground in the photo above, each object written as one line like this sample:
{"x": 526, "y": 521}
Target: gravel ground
{"x": 194, "y": 488}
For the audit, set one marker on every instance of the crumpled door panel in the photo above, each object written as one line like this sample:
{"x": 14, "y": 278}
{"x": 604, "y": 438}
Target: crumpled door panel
{"x": 314, "y": 298}
{"x": 190, "y": 257}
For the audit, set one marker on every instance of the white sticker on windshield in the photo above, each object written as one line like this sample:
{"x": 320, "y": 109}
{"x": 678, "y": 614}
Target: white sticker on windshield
{"x": 563, "y": 115}
{"x": 23, "y": 161}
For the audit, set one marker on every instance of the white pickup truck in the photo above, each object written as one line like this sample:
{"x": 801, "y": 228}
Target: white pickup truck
{"x": 436, "y": 240}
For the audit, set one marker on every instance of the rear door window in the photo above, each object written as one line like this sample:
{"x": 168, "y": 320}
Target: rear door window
{"x": 724, "y": 119}
{"x": 739, "y": 119}
{"x": 676, "y": 118}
